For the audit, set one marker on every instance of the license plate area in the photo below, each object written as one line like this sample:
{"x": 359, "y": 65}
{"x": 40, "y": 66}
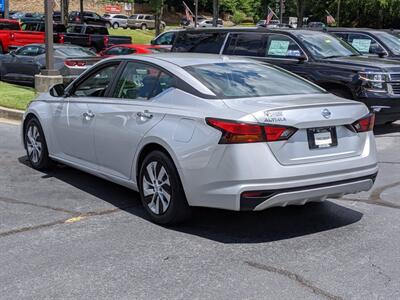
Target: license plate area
{"x": 322, "y": 137}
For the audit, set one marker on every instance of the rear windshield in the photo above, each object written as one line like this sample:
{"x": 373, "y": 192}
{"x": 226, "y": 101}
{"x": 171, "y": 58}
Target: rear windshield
{"x": 75, "y": 52}
{"x": 243, "y": 80}
{"x": 9, "y": 26}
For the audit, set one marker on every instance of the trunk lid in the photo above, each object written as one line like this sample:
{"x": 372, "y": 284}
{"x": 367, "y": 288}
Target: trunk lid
{"x": 306, "y": 113}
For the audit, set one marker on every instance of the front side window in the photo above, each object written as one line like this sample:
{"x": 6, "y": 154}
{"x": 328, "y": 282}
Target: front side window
{"x": 142, "y": 82}
{"x": 30, "y": 51}
{"x": 96, "y": 84}
{"x": 282, "y": 46}
{"x": 322, "y": 45}
{"x": 247, "y": 80}
{"x": 364, "y": 43}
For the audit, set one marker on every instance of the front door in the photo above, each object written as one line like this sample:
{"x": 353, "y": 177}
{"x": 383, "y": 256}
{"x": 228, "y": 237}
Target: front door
{"x": 123, "y": 119}
{"x": 74, "y": 119}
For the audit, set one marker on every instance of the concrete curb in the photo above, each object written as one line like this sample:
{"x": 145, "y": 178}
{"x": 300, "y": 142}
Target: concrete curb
{"x": 12, "y": 114}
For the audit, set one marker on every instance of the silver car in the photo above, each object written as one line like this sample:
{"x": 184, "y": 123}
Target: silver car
{"x": 117, "y": 20}
{"x": 201, "y": 130}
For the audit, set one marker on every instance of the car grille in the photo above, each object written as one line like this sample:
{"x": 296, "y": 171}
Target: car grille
{"x": 396, "y": 88}
{"x": 395, "y": 77}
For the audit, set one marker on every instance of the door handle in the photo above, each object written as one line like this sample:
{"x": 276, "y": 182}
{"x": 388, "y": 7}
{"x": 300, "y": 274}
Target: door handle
{"x": 145, "y": 114}
{"x": 88, "y": 115}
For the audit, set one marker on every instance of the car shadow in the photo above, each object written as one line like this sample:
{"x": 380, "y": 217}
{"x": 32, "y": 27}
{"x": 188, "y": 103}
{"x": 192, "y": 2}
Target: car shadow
{"x": 223, "y": 226}
{"x": 385, "y": 129}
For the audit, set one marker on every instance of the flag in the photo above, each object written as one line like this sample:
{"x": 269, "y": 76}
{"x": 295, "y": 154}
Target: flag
{"x": 269, "y": 16}
{"x": 188, "y": 13}
{"x": 329, "y": 19}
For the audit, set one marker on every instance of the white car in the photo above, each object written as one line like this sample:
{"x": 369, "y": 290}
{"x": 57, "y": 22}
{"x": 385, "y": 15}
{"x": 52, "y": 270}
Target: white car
{"x": 202, "y": 130}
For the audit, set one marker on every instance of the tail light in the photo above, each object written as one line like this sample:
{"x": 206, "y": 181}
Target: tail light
{"x": 106, "y": 41}
{"x": 365, "y": 124}
{"x": 74, "y": 63}
{"x": 77, "y": 19}
{"x": 12, "y": 36}
{"x": 234, "y": 132}
{"x": 61, "y": 38}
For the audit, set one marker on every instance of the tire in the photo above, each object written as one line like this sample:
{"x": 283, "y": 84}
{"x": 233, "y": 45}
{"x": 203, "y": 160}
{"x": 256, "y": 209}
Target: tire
{"x": 154, "y": 192}
{"x": 143, "y": 27}
{"x": 36, "y": 146}
{"x": 108, "y": 25}
{"x": 1, "y": 49}
{"x": 115, "y": 25}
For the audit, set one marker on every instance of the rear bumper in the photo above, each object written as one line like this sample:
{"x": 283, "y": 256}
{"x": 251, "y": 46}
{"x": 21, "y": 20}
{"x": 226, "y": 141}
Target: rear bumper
{"x": 390, "y": 108}
{"x": 302, "y": 195}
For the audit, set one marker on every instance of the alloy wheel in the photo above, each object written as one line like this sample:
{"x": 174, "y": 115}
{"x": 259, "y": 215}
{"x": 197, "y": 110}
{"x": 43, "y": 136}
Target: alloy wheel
{"x": 34, "y": 143}
{"x": 156, "y": 188}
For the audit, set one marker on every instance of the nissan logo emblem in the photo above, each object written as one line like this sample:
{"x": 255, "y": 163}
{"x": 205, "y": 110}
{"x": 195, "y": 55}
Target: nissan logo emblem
{"x": 326, "y": 113}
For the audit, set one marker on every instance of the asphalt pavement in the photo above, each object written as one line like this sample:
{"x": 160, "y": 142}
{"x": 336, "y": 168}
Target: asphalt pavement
{"x": 66, "y": 234}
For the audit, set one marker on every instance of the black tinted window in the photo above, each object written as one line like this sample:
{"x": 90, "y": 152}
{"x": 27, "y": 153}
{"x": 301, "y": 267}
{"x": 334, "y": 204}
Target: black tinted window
{"x": 9, "y": 26}
{"x": 202, "y": 42}
{"x": 249, "y": 44}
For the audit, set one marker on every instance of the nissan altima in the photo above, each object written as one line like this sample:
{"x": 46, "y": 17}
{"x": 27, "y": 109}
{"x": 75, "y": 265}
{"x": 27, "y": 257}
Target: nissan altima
{"x": 202, "y": 130}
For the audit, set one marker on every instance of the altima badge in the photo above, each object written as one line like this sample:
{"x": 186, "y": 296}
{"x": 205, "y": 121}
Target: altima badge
{"x": 326, "y": 113}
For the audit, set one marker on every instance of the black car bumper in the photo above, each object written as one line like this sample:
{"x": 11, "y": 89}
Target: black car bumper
{"x": 387, "y": 109}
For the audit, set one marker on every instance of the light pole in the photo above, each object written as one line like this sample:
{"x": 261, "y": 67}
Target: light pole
{"x": 196, "y": 11}
{"x": 281, "y": 11}
{"x": 6, "y": 9}
{"x": 338, "y": 14}
{"x": 48, "y": 15}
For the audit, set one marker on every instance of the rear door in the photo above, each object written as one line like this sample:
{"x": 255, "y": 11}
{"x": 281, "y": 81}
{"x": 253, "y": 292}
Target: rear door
{"x": 128, "y": 113}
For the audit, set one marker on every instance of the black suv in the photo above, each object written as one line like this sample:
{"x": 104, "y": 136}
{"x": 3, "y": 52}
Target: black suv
{"x": 317, "y": 56}
{"x": 370, "y": 41}
{"x": 89, "y": 17}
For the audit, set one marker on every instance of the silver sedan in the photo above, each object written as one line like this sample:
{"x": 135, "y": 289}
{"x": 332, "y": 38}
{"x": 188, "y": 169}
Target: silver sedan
{"x": 201, "y": 130}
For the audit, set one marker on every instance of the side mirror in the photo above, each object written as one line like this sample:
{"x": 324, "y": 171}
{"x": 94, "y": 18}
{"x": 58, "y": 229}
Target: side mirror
{"x": 57, "y": 90}
{"x": 381, "y": 53}
{"x": 152, "y": 42}
{"x": 301, "y": 58}
{"x": 12, "y": 53}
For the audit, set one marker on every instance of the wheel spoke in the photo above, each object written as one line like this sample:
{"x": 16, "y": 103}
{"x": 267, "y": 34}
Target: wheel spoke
{"x": 161, "y": 174}
{"x": 165, "y": 202}
{"x": 151, "y": 171}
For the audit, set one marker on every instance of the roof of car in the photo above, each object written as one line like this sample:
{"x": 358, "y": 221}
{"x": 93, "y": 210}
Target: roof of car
{"x": 353, "y": 29}
{"x": 189, "y": 59}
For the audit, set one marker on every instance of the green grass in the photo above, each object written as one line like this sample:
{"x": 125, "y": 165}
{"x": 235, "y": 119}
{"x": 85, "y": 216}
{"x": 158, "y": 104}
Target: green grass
{"x": 138, "y": 36}
{"x": 16, "y": 97}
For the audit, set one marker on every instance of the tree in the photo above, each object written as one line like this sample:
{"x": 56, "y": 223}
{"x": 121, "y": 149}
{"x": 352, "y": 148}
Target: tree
{"x": 158, "y": 7}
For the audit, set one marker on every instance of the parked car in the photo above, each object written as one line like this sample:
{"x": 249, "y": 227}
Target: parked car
{"x": 117, "y": 20}
{"x": 24, "y": 17}
{"x": 209, "y": 23}
{"x": 317, "y": 56}
{"x": 370, "y": 41}
{"x": 89, "y": 17}
{"x": 12, "y": 36}
{"x": 40, "y": 26}
{"x": 21, "y": 66}
{"x": 165, "y": 39}
{"x": 271, "y": 24}
{"x": 132, "y": 49}
{"x": 92, "y": 36}
{"x": 316, "y": 25}
{"x": 193, "y": 130}
{"x": 143, "y": 21}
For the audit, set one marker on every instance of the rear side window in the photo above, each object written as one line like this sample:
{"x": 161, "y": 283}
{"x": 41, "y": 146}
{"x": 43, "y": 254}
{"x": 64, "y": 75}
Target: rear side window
{"x": 142, "y": 82}
{"x": 9, "y": 26}
{"x": 74, "y": 29}
{"x": 200, "y": 42}
{"x": 249, "y": 44}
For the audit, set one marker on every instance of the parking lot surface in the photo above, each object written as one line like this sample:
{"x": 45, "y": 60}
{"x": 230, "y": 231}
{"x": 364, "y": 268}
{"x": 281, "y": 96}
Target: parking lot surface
{"x": 67, "y": 234}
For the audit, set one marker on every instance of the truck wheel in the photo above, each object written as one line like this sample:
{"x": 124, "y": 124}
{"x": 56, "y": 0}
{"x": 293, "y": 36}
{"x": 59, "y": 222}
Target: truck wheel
{"x": 108, "y": 25}
{"x": 115, "y": 25}
{"x": 143, "y": 27}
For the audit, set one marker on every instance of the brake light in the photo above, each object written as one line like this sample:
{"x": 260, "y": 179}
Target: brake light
{"x": 74, "y": 63}
{"x": 365, "y": 124}
{"x": 77, "y": 19}
{"x": 61, "y": 38}
{"x": 234, "y": 132}
{"x": 106, "y": 40}
{"x": 12, "y": 36}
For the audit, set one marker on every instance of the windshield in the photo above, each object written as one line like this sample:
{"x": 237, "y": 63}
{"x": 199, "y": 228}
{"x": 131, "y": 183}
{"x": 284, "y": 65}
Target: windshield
{"x": 244, "y": 80}
{"x": 75, "y": 52}
{"x": 323, "y": 45}
{"x": 391, "y": 41}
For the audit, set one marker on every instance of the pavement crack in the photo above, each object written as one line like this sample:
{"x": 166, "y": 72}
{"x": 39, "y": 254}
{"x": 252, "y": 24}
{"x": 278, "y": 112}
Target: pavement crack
{"x": 368, "y": 201}
{"x": 14, "y": 201}
{"x": 296, "y": 277}
{"x": 75, "y": 218}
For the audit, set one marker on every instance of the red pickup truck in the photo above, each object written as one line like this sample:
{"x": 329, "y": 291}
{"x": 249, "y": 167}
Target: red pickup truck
{"x": 12, "y": 36}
